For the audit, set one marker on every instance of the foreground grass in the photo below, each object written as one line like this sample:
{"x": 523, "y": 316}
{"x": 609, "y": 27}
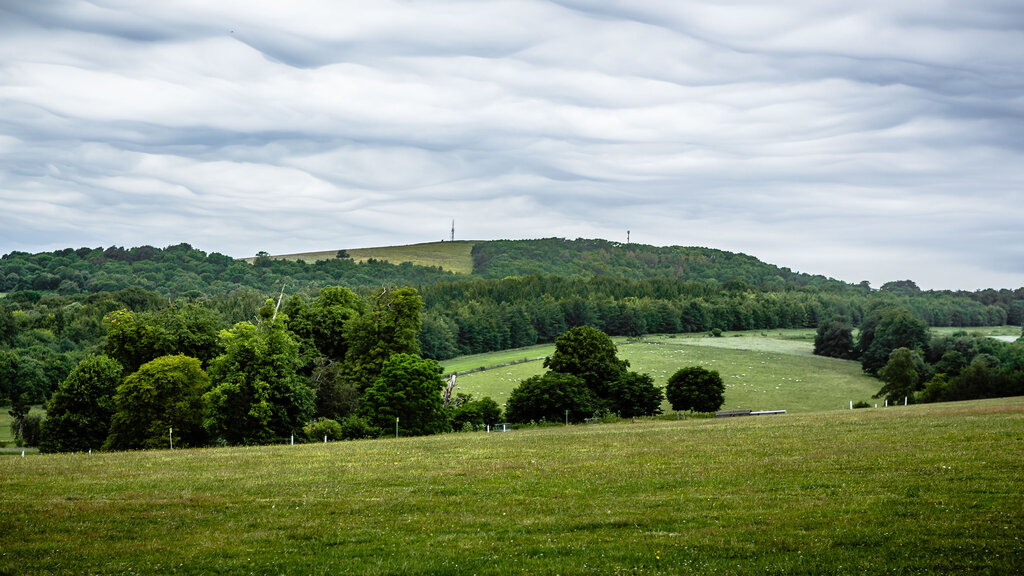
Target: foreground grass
{"x": 923, "y": 489}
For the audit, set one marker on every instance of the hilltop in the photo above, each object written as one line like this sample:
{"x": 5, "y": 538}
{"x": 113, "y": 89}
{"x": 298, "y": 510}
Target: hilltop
{"x": 583, "y": 258}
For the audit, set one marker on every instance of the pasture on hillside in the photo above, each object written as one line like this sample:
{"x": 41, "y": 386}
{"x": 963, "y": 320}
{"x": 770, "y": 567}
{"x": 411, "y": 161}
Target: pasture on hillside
{"x": 921, "y": 489}
{"x": 451, "y": 256}
{"x": 761, "y": 370}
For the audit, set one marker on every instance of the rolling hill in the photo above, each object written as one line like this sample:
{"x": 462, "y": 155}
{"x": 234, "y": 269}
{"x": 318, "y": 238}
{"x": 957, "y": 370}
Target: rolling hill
{"x": 578, "y": 258}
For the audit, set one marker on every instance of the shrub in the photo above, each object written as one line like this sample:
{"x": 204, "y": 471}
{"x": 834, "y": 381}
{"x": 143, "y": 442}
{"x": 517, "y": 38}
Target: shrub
{"x": 323, "y": 427}
{"x": 478, "y": 413}
{"x": 697, "y": 389}
{"x": 548, "y": 397}
{"x": 355, "y": 428}
{"x": 30, "y": 430}
{"x": 635, "y": 394}
{"x": 861, "y": 404}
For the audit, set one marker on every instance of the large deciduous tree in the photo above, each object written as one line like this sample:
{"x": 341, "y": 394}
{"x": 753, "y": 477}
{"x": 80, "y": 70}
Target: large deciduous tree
{"x": 79, "y": 412}
{"x": 549, "y": 397}
{"x": 900, "y": 376}
{"x": 590, "y": 355}
{"x": 834, "y": 339}
{"x": 697, "y": 389}
{"x": 390, "y": 327}
{"x": 333, "y": 309}
{"x": 258, "y": 396}
{"x": 408, "y": 388}
{"x": 885, "y": 330}
{"x": 634, "y": 394}
{"x": 136, "y": 338}
{"x": 164, "y": 394}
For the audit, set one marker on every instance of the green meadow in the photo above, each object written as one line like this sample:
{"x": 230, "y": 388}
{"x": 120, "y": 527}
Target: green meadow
{"x": 907, "y": 490}
{"x": 762, "y": 370}
{"x": 452, "y": 256}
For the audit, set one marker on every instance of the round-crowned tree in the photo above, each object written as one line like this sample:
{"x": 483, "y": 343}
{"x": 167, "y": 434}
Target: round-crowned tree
{"x": 635, "y": 394}
{"x": 834, "y": 338}
{"x": 164, "y": 395}
{"x": 258, "y": 396}
{"x": 79, "y": 412}
{"x": 548, "y": 397}
{"x": 408, "y": 388}
{"x": 590, "y": 355}
{"x": 697, "y": 389}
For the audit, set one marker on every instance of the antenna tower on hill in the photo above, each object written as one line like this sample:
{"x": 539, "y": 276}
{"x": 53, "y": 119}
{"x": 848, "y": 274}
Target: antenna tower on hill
{"x": 453, "y": 230}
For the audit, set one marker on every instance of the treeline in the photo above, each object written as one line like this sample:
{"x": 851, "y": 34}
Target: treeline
{"x": 476, "y": 316}
{"x": 337, "y": 366}
{"x": 589, "y": 258}
{"x": 51, "y": 315}
{"x": 915, "y": 365}
{"x": 182, "y": 270}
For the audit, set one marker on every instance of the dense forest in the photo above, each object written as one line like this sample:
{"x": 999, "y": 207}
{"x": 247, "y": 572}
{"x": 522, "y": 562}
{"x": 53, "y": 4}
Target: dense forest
{"x": 521, "y": 292}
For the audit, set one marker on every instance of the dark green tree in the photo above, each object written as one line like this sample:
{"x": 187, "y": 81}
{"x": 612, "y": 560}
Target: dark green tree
{"x": 635, "y": 394}
{"x": 9, "y": 368}
{"x": 885, "y": 330}
{"x": 79, "y": 412}
{"x": 329, "y": 314}
{"x": 548, "y": 397}
{"x": 834, "y": 339}
{"x": 900, "y": 376}
{"x": 408, "y": 388}
{"x": 8, "y": 327}
{"x": 19, "y": 410}
{"x": 390, "y": 327}
{"x": 258, "y": 396}
{"x": 31, "y": 430}
{"x": 335, "y": 395}
{"x": 164, "y": 394}
{"x": 437, "y": 337}
{"x": 136, "y": 338}
{"x": 478, "y": 413}
{"x": 694, "y": 388}
{"x": 590, "y": 355}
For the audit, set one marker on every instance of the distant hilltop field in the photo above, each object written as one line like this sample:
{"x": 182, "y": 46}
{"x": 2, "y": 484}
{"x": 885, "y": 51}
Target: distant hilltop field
{"x": 451, "y": 256}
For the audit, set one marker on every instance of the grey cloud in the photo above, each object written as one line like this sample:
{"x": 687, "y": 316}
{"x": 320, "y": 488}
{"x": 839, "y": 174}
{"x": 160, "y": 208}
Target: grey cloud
{"x": 880, "y": 141}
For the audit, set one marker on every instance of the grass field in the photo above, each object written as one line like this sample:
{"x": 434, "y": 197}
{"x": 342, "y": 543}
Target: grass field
{"x": 762, "y": 370}
{"x": 983, "y": 330}
{"x": 452, "y": 256}
{"x": 915, "y": 490}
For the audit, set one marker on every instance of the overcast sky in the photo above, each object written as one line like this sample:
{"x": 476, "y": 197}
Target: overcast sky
{"x": 872, "y": 140}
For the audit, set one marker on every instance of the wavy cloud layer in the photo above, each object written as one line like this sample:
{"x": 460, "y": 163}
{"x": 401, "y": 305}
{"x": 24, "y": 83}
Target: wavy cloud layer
{"x": 877, "y": 141}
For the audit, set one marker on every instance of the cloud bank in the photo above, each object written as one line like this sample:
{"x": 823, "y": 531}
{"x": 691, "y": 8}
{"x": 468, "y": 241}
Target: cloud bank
{"x": 880, "y": 141}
